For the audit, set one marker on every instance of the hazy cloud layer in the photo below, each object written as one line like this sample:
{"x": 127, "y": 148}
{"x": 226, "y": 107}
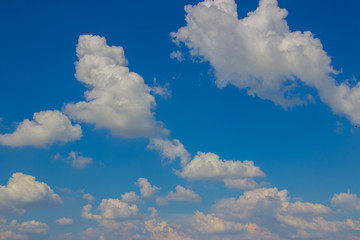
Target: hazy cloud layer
{"x": 116, "y": 99}
{"x": 23, "y": 192}
{"x": 260, "y": 54}
{"x": 46, "y": 128}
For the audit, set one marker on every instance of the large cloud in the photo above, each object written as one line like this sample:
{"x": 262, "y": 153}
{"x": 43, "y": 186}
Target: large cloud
{"x": 23, "y": 192}
{"x": 261, "y": 55}
{"x": 116, "y": 99}
{"x": 47, "y": 128}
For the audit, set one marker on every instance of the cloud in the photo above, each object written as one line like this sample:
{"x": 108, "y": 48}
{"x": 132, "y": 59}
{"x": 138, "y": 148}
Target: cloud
{"x": 88, "y": 197}
{"x": 64, "y": 221}
{"x": 170, "y": 149}
{"x": 181, "y": 194}
{"x": 116, "y": 99}
{"x": 208, "y": 166}
{"x": 29, "y": 230}
{"x": 261, "y": 55}
{"x": 111, "y": 209}
{"x": 346, "y": 201}
{"x": 146, "y": 189}
{"x": 162, "y": 231}
{"x": 162, "y": 91}
{"x": 48, "y": 127}
{"x": 129, "y": 197}
{"x": 23, "y": 193}
{"x": 177, "y": 55}
{"x": 78, "y": 161}
{"x": 211, "y": 224}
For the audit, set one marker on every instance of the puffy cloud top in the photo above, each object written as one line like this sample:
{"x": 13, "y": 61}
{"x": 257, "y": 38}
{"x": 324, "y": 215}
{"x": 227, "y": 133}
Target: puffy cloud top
{"x": 116, "y": 99}
{"x": 23, "y": 192}
{"x": 208, "y": 166}
{"x": 47, "y": 128}
{"x": 261, "y": 55}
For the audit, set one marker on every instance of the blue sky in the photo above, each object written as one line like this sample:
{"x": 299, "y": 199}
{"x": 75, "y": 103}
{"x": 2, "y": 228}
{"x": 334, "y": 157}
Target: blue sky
{"x": 128, "y": 120}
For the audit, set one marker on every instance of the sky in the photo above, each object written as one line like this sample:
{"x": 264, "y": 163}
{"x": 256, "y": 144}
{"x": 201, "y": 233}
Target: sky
{"x": 214, "y": 119}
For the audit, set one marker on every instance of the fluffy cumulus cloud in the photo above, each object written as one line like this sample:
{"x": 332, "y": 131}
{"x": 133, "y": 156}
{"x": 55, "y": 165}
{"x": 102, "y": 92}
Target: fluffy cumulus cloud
{"x": 64, "y": 221}
{"x": 116, "y": 99}
{"x": 146, "y": 189}
{"x": 88, "y": 197}
{"x": 23, "y": 192}
{"x": 209, "y": 166}
{"x": 29, "y": 230}
{"x": 46, "y": 128}
{"x": 346, "y": 201}
{"x": 260, "y": 54}
{"x": 129, "y": 197}
{"x": 162, "y": 231}
{"x": 170, "y": 149}
{"x": 78, "y": 161}
{"x": 181, "y": 194}
{"x": 111, "y": 209}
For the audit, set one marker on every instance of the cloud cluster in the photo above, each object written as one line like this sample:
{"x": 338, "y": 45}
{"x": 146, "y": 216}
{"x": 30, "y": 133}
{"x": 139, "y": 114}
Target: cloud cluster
{"x": 116, "y": 99}
{"x": 268, "y": 213}
{"x": 23, "y": 193}
{"x": 64, "y": 221}
{"x": 29, "y": 230}
{"x": 346, "y": 201}
{"x": 261, "y": 55}
{"x": 46, "y": 128}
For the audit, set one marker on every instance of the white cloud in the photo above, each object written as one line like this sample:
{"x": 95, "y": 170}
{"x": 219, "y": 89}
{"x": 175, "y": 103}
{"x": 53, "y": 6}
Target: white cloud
{"x": 346, "y": 201}
{"x": 88, "y": 197}
{"x": 177, "y": 55}
{"x": 260, "y": 54}
{"x": 181, "y": 194}
{"x": 29, "y": 230}
{"x": 146, "y": 189}
{"x": 116, "y": 99}
{"x": 170, "y": 149}
{"x": 162, "y": 91}
{"x": 64, "y": 221}
{"x": 78, "y": 161}
{"x": 111, "y": 209}
{"x": 23, "y": 192}
{"x": 48, "y": 127}
{"x": 129, "y": 197}
{"x": 208, "y": 166}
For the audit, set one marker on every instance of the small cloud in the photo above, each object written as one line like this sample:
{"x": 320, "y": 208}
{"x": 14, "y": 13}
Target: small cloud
{"x": 64, "y": 221}
{"x": 88, "y": 197}
{"x": 177, "y": 55}
{"x": 78, "y": 161}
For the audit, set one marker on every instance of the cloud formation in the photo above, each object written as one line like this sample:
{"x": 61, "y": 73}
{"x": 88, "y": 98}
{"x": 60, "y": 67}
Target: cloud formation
{"x": 146, "y": 189}
{"x": 29, "y": 230}
{"x": 261, "y": 55}
{"x": 116, "y": 99}
{"x": 209, "y": 166}
{"x": 346, "y": 201}
{"x": 170, "y": 149}
{"x": 46, "y": 128}
{"x": 181, "y": 194}
{"x": 23, "y": 193}
{"x": 64, "y": 221}
{"x": 78, "y": 161}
